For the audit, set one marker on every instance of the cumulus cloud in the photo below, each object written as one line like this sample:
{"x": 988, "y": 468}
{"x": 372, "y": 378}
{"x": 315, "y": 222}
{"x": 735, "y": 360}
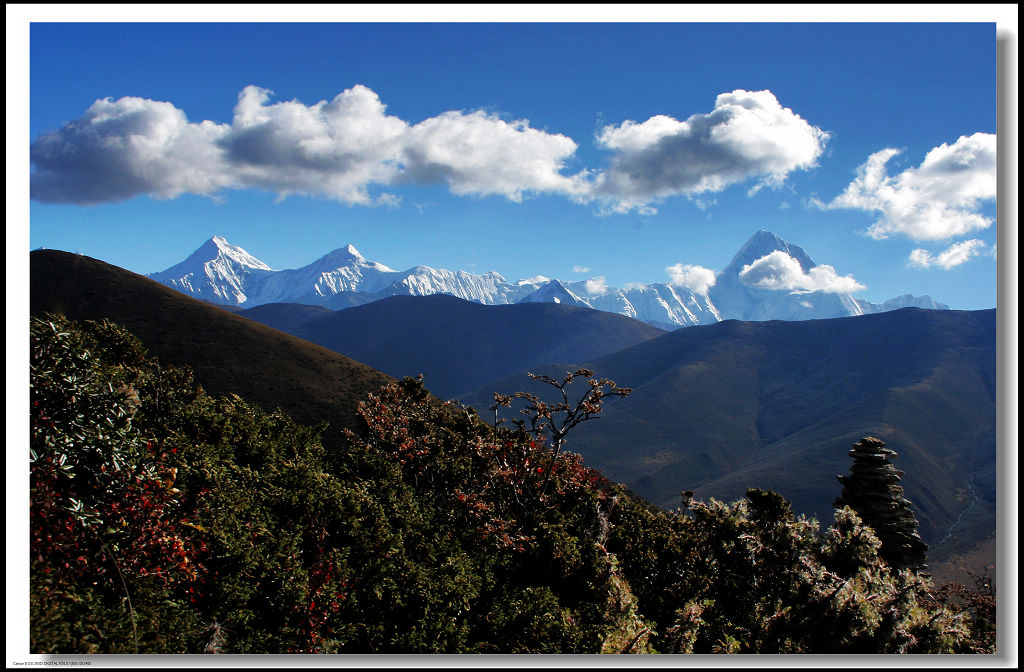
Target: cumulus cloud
{"x": 697, "y": 279}
{"x": 349, "y": 149}
{"x": 748, "y": 135}
{"x": 123, "y": 148}
{"x": 937, "y": 200}
{"x": 480, "y": 154}
{"x": 338, "y": 148}
{"x": 335, "y": 148}
{"x": 954, "y": 255}
{"x": 780, "y": 271}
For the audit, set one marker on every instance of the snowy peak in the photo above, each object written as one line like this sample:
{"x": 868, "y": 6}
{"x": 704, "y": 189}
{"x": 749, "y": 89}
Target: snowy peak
{"x": 487, "y": 288}
{"x": 901, "y": 301}
{"x": 218, "y": 247}
{"x": 762, "y": 244}
{"x": 555, "y": 292}
{"x": 222, "y": 273}
{"x": 344, "y": 257}
{"x": 217, "y": 271}
{"x": 735, "y": 299}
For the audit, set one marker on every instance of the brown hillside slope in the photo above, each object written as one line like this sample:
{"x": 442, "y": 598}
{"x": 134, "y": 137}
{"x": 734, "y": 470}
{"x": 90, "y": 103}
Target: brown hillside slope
{"x": 227, "y": 353}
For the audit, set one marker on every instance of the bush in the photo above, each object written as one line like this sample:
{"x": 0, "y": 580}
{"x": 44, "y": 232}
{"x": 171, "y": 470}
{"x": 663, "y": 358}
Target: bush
{"x": 167, "y": 521}
{"x": 751, "y": 577}
{"x": 112, "y": 560}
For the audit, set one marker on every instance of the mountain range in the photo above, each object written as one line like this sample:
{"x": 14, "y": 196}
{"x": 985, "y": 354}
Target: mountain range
{"x": 227, "y": 353}
{"x": 715, "y": 408}
{"x": 457, "y": 345}
{"x": 225, "y": 274}
{"x": 719, "y": 408}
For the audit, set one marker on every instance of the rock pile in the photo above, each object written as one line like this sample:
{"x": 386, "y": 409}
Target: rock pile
{"x": 871, "y": 490}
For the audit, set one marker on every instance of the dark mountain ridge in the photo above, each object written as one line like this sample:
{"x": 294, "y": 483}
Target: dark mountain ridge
{"x": 227, "y": 353}
{"x": 457, "y": 344}
{"x": 776, "y": 405}
{"x": 715, "y": 409}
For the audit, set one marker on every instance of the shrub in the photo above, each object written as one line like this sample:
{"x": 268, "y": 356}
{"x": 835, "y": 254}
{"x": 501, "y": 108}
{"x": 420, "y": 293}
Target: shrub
{"x": 112, "y": 561}
{"x": 164, "y": 520}
{"x": 751, "y": 577}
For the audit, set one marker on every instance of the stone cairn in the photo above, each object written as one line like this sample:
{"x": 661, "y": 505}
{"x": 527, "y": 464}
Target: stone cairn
{"x": 871, "y": 490}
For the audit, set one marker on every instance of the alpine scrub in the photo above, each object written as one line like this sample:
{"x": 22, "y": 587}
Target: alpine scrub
{"x": 168, "y": 521}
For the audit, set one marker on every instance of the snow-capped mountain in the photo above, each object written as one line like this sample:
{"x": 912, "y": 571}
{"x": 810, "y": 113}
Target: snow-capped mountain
{"x": 487, "y": 288}
{"x": 217, "y": 272}
{"x": 661, "y": 302}
{"x": 226, "y": 274}
{"x": 738, "y": 300}
{"x": 342, "y": 271}
{"x": 901, "y": 301}
{"x": 554, "y": 291}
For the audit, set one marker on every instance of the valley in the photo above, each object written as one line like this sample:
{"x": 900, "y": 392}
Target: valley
{"x": 716, "y": 408}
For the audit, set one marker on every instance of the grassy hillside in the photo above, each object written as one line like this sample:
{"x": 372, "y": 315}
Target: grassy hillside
{"x": 229, "y": 354}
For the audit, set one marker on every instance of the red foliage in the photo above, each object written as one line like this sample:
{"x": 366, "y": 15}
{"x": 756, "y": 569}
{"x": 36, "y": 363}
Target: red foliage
{"x": 113, "y": 520}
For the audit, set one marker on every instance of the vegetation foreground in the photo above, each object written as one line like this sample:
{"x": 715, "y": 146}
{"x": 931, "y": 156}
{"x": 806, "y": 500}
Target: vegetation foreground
{"x": 164, "y": 520}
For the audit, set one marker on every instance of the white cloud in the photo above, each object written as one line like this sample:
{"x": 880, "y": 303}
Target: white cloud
{"x": 346, "y": 147}
{"x": 581, "y": 269}
{"x": 697, "y": 279}
{"x": 336, "y": 148}
{"x": 123, "y": 148}
{"x": 622, "y": 206}
{"x": 780, "y": 271}
{"x": 339, "y": 149}
{"x": 596, "y": 286}
{"x": 748, "y": 135}
{"x": 954, "y": 255}
{"x": 480, "y": 154}
{"x": 937, "y": 200}
{"x": 704, "y": 203}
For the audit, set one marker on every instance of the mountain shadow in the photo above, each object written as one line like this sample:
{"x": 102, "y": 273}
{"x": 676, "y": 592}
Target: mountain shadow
{"x": 776, "y": 405}
{"x": 457, "y": 345}
{"x": 227, "y": 353}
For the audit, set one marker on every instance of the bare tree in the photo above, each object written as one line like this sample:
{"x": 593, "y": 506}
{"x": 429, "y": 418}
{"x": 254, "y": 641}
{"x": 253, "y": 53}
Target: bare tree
{"x": 551, "y": 422}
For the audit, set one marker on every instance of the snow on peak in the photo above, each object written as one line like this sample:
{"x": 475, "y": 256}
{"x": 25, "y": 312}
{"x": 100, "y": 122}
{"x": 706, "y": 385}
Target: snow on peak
{"x": 555, "y": 292}
{"x": 218, "y": 247}
{"x": 341, "y": 257}
{"x": 762, "y": 244}
{"x": 216, "y": 251}
{"x": 218, "y": 272}
{"x": 225, "y": 273}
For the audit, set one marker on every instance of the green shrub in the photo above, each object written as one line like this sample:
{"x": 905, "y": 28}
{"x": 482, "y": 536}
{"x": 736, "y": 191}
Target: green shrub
{"x": 751, "y": 577}
{"x": 164, "y": 520}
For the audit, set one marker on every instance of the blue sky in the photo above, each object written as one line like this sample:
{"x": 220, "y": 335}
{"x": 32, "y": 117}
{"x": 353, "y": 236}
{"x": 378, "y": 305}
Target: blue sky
{"x": 624, "y": 201}
{"x": 570, "y": 150}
